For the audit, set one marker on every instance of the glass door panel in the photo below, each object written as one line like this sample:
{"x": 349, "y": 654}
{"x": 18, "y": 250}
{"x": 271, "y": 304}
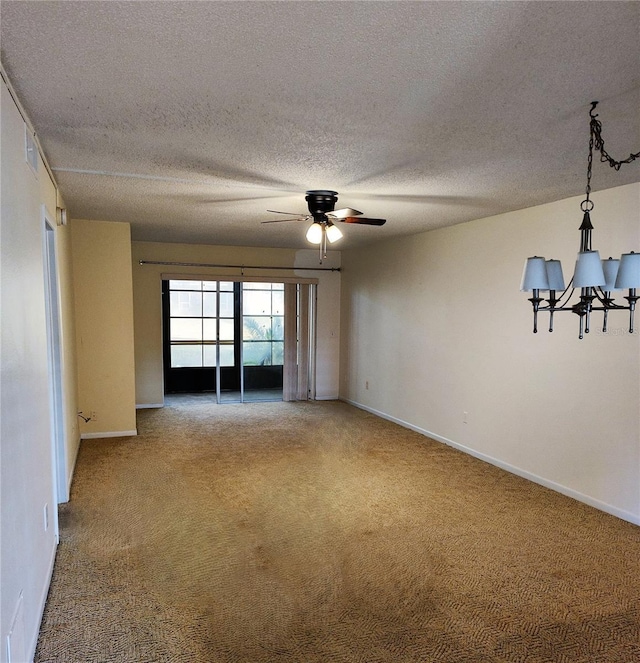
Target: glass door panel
{"x": 201, "y": 352}
{"x": 262, "y": 341}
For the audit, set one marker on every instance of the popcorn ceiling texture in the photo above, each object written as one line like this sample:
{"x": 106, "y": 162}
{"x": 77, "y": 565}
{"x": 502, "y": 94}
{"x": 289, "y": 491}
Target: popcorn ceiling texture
{"x": 193, "y": 118}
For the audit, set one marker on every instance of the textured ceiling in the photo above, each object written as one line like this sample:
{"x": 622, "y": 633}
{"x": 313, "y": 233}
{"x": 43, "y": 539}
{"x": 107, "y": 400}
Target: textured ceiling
{"x": 191, "y": 119}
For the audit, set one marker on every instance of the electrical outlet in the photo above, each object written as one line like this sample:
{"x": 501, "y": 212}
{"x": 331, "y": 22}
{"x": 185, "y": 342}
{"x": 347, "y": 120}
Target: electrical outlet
{"x": 94, "y": 415}
{"x": 45, "y": 516}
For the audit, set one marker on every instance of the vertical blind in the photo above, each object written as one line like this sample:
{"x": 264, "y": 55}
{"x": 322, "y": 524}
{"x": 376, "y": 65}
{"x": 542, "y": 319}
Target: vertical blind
{"x": 297, "y": 299}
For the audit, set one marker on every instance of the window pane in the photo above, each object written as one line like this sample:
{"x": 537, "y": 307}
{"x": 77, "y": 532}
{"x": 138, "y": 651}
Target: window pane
{"x": 226, "y": 285}
{"x": 256, "y": 353}
{"x": 256, "y": 328}
{"x": 277, "y": 328}
{"x": 209, "y": 305}
{"x": 226, "y": 330}
{"x": 185, "y": 303}
{"x": 209, "y": 285}
{"x": 277, "y": 351}
{"x": 185, "y": 285}
{"x": 277, "y": 303}
{"x": 227, "y": 355}
{"x": 186, "y": 355}
{"x": 209, "y": 352}
{"x": 278, "y": 286}
{"x": 186, "y": 329}
{"x": 209, "y": 329}
{"x": 256, "y": 302}
{"x": 226, "y": 305}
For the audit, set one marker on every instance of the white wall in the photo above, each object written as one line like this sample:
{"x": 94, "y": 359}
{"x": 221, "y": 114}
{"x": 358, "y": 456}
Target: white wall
{"x": 103, "y": 293}
{"x": 147, "y": 303}
{"x": 437, "y": 327}
{"x": 26, "y": 457}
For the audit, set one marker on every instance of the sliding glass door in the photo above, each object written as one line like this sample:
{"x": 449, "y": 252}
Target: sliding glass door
{"x": 230, "y": 339}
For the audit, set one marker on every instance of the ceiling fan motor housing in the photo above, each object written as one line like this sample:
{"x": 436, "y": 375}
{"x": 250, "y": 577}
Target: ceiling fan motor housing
{"x": 320, "y": 202}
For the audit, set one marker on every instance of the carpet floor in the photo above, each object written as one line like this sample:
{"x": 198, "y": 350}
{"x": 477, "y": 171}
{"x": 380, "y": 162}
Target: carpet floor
{"x": 309, "y": 532}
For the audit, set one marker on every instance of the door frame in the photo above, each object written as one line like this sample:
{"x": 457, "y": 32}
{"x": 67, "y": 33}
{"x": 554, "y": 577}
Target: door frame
{"x": 55, "y": 365}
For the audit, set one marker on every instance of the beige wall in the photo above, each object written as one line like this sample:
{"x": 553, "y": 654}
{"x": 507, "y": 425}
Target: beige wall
{"x": 27, "y": 452}
{"x": 104, "y": 326}
{"x": 147, "y": 304}
{"x": 437, "y": 327}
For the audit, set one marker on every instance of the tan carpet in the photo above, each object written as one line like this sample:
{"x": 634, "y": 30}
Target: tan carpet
{"x": 307, "y": 532}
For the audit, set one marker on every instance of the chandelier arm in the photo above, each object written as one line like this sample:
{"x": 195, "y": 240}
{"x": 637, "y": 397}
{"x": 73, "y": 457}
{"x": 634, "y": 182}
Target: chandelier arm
{"x": 607, "y": 302}
{"x": 556, "y": 304}
{"x": 559, "y": 305}
{"x": 614, "y": 307}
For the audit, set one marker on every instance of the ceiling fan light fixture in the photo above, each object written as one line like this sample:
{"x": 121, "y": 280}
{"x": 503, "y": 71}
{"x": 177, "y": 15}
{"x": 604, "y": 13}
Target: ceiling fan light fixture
{"x": 333, "y": 233}
{"x": 314, "y": 233}
{"x": 322, "y": 231}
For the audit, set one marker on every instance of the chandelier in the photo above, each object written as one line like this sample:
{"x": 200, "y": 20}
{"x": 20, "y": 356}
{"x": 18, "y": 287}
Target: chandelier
{"x": 595, "y": 279}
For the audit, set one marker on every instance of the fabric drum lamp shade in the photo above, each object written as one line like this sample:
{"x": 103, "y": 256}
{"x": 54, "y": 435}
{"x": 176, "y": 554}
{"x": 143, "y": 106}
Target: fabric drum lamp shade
{"x": 629, "y": 271}
{"x": 554, "y": 274}
{"x": 610, "y": 269}
{"x": 588, "y": 272}
{"x": 534, "y": 276}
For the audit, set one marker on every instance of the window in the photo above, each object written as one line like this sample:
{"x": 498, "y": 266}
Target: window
{"x": 201, "y": 323}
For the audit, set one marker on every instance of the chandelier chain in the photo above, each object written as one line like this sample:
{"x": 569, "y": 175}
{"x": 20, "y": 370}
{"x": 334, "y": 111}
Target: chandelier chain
{"x": 596, "y": 133}
{"x": 596, "y": 140}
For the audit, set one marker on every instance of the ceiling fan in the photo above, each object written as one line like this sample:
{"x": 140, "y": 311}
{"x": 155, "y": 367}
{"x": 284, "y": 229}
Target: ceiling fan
{"x": 321, "y": 205}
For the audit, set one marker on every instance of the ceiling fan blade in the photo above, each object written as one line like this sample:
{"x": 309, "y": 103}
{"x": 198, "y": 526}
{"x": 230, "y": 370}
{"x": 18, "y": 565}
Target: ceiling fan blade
{"x": 364, "y": 220}
{"x": 344, "y": 213}
{"x": 300, "y": 218}
{"x": 287, "y": 213}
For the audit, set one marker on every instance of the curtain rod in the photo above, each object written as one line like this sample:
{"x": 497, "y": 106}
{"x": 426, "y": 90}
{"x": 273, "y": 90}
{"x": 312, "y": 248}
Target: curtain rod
{"x": 206, "y": 264}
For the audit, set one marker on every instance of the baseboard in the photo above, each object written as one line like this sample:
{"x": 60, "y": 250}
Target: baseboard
{"x": 72, "y": 469}
{"x": 115, "y": 433}
{"x": 559, "y": 488}
{"x": 145, "y": 406}
{"x": 42, "y": 603}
